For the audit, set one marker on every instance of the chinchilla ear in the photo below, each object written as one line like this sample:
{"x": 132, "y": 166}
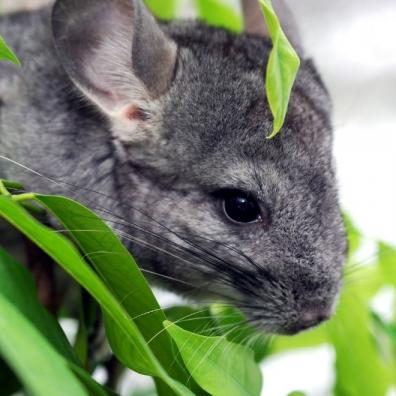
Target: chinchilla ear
{"x": 254, "y": 20}
{"x": 114, "y": 51}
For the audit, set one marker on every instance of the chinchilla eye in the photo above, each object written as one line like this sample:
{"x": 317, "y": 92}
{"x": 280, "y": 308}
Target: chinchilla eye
{"x": 240, "y": 208}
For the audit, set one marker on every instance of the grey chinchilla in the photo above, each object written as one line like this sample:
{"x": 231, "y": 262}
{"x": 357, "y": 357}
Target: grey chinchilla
{"x": 162, "y": 126}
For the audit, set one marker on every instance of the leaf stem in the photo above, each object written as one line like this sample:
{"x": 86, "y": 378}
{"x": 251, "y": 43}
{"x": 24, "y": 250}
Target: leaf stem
{"x": 23, "y": 197}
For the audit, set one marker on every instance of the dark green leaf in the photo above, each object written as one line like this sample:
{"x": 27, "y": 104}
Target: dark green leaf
{"x": 65, "y": 254}
{"x": 16, "y": 285}
{"x": 123, "y": 277}
{"x": 11, "y": 184}
{"x": 39, "y": 367}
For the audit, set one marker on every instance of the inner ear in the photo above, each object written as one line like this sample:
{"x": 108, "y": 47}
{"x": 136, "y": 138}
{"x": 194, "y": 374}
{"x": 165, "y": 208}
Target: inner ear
{"x": 114, "y": 51}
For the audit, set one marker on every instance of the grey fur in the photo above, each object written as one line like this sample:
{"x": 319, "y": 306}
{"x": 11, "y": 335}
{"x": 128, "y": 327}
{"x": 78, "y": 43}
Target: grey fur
{"x": 158, "y": 172}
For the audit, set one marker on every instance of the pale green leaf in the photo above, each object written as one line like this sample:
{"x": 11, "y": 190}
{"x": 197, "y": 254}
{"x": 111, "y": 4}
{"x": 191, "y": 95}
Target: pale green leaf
{"x": 233, "y": 324}
{"x": 360, "y": 369}
{"x": 282, "y": 69}
{"x": 163, "y": 9}
{"x": 220, "y": 367}
{"x": 219, "y": 13}
{"x": 387, "y": 263}
{"x": 6, "y": 53}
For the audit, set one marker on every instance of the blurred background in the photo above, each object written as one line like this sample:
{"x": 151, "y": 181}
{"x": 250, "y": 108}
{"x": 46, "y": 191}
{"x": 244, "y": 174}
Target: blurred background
{"x": 353, "y": 44}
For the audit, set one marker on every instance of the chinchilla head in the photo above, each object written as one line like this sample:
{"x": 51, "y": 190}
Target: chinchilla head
{"x": 218, "y": 209}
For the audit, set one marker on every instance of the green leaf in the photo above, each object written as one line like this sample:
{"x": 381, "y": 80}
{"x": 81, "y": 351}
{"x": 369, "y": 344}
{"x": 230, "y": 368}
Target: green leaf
{"x": 123, "y": 277}
{"x": 297, "y": 393}
{"x": 16, "y": 285}
{"x": 220, "y": 320}
{"x": 353, "y": 234}
{"x": 360, "y": 369}
{"x": 232, "y": 323}
{"x": 387, "y": 263}
{"x": 6, "y": 53}
{"x": 66, "y": 255}
{"x": 220, "y": 367}
{"x": 385, "y": 338}
{"x": 165, "y": 10}
{"x": 219, "y": 13}
{"x": 11, "y": 184}
{"x": 282, "y": 69}
{"x": 196, "y": 320}
{"x": 39, "y": 367}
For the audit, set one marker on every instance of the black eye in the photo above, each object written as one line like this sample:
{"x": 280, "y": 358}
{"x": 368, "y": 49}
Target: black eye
{"x": 241, "y": 208}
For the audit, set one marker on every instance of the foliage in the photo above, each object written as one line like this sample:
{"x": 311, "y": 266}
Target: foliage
{"x": 282, "y": 69}
{"x": 134, "y": 321}
{"x": 186, "y": 350}
{"x": 221, "y": 367}
{"x": 6, "y": 54}
{"x": 197, "y": 351}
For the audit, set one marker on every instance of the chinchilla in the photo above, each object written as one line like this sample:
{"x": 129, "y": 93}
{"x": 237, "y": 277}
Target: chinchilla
{"x": 163, "y": 127}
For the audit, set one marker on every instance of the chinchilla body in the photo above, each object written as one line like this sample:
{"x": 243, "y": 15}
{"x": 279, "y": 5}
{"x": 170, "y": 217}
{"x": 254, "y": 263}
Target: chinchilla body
{"x": 161, "y": 128}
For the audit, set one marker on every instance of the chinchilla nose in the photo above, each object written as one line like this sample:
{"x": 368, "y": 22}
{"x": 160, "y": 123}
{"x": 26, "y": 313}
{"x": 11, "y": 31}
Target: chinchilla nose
{"x": 312, "y": 317}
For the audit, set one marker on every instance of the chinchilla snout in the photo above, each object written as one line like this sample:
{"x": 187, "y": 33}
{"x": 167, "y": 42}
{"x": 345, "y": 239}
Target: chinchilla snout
{"x": 311, "y": 308}
{"x": 297, "y": 299}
